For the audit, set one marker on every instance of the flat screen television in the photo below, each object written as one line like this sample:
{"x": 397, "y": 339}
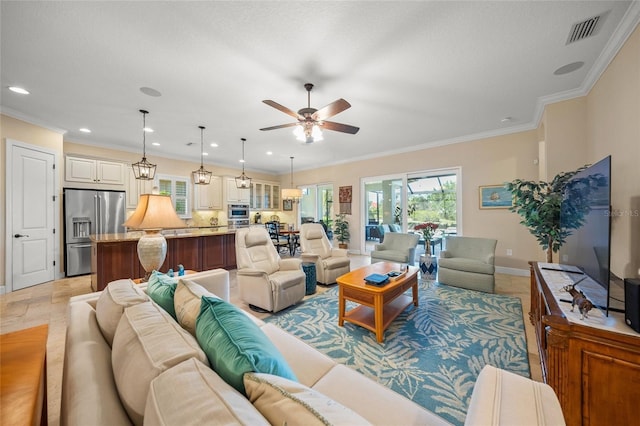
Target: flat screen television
{"x": 587, "y": 204}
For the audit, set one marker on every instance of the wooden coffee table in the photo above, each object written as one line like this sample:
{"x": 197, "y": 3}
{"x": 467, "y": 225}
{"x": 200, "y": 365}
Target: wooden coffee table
{"x": 379, "y": 305}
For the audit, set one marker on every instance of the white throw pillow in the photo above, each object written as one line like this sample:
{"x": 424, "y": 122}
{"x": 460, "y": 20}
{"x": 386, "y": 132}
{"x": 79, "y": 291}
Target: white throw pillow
{"x": 147, "y": 342}
{"x": 186, "y": 302}
{"x": 282, "y": 401}
{"x": 193, "y": 394}
{"x": 117, "y": 296}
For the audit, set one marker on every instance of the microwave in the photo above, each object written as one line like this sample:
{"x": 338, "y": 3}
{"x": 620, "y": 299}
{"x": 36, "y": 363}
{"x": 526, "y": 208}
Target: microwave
{"x": 238, "y": 211}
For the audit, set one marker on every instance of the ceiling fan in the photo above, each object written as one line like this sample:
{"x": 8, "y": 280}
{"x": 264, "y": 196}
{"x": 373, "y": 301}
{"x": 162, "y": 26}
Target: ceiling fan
{"x": 311, "y": 120}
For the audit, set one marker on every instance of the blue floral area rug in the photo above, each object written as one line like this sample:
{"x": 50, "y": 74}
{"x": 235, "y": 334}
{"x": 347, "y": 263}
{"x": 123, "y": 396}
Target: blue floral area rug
{"x": 431, "y": 354}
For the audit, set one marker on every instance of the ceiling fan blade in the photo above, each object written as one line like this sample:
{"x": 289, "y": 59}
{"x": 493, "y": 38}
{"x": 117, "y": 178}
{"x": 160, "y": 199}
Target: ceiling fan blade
{"x": 282, "y": 108}
{"x": 339, "y": 127}
{"x": 330, "y": 110}
{"x": 281, "y": 126}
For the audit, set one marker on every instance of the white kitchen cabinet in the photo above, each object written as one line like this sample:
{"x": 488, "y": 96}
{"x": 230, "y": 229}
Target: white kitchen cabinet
{"x": 235, "y": 194}
{"x": 89, "y": 170}
{"x": 208, "y": 197}
{"x": 265, "y": 196}
{"x": 135, "y": 188}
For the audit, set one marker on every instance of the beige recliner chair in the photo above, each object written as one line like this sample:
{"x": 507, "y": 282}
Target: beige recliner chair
{"x": 264, "y": 279}
{"x": 396, "y": 247}
{"x": 468, "y": 262}
{"x": 330, "y": 262}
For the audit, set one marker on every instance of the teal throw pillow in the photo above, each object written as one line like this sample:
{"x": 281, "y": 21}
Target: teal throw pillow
{"x": 161, "y": 289}
{"x": 235, "y": 345}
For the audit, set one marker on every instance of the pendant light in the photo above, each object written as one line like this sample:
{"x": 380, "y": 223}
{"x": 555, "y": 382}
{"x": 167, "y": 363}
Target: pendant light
{"x": 243, "y": 181}
{"x": 143, "y": 170}
{"x": 292, "y": 194}
{"x": 201, "y": 176}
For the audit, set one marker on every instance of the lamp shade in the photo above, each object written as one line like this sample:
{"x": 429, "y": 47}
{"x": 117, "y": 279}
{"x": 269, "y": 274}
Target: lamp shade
{"x": 154, "y": 211}
{"x": 291, "y": 193}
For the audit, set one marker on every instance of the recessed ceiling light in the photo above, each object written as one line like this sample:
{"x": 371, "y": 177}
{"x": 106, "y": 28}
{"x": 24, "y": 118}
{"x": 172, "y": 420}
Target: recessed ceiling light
{"x": 214, "y": 145}
{"x": 155, "y": 143}
{"x": 205, "y": 153}
{"x": 150, "y": 92}
{"x": 566, "y": 69}
{"x": 506, "y": 120}
{"x": 269, "y": 153}
{"x": 148, "y": 129}
{"x": 85, "y": 130}
{"x": 20, "y": 90}
{"x": 241, "y": 160}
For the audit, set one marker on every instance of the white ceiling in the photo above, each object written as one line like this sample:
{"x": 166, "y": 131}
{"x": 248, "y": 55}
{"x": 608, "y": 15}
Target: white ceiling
{"x": 417, "y": 73}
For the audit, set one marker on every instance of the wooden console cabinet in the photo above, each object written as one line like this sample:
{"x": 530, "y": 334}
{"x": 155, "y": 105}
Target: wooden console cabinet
{"x": 116, "y": 256}
{"x": 592, "y": 364}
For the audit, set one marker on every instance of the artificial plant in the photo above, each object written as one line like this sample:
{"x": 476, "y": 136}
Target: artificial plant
{"x": 540, "y": 205}
{"x": 341, "y": 229}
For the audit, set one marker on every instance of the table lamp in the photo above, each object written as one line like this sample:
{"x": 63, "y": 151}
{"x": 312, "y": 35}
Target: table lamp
{"x": 153, "y": 213}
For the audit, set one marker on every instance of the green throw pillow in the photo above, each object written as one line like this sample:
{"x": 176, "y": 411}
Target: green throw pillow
{"x": 161, "y": 289}
{"x": 235, "y": 345}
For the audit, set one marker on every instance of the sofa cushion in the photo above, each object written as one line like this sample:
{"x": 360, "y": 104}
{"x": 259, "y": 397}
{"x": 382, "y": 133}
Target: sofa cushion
{"x": 191, "y": 393}
{"x": 502, "y": 397}
{"x": 161, "y": 289}
{"x": 187, "y": 303}
{"x": 235, "y": 345}
{"x": 117, "y": 296}
{"x": 285, "y": 402}
{"x": 147, "y": 342}
{"x": 87, "y": 377}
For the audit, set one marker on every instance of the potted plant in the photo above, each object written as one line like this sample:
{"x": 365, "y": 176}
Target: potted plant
{"x": 341, "y": 230}
{"x": 427, "y": 229}
{"x": 540, "y": 204}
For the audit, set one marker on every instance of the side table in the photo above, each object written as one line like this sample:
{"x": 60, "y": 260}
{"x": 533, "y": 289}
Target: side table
{"x": 23, "y": 376}
{"x": 310, "y": 282}
{"x": 428, "y": 266}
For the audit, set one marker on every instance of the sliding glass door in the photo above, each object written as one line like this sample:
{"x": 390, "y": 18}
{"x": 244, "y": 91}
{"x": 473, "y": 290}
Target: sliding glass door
{"x": 317, "y": 204}
{"x": 399, "y": 202}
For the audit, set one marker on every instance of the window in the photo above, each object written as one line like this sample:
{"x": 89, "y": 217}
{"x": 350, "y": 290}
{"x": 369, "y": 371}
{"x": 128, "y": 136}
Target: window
{"x": 178, "y": 188}
{"x": 317, "y": 204}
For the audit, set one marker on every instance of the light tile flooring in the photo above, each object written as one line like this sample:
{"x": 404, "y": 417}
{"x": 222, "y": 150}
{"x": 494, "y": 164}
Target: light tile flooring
{"x": 47, "y": 303}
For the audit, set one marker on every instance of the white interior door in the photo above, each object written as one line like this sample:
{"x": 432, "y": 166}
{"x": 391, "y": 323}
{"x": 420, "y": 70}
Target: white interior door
{"x": 32, "y": 216}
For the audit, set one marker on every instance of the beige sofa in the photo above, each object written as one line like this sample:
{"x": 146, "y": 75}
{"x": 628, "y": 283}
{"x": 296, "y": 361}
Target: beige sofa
{"x": 152, "y": 371}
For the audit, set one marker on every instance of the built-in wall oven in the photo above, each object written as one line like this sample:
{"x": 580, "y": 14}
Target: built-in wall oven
{"x": 238, "y": 215}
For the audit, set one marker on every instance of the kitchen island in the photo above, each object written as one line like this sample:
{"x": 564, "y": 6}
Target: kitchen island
{"x": 115, "y": 256}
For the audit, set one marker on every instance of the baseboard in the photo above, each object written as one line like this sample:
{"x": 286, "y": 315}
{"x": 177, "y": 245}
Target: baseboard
{"x": 513, "y": 271}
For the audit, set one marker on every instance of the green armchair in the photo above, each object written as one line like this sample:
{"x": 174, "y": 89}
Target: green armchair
{"x": 468, "y": 263}
{"x": 396, "y": 247}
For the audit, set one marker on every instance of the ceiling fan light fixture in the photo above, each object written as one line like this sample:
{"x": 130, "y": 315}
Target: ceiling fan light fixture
{"x": 201, "y": 176}
{"x": 144, "y": 170}
{"x": 243, "y": 181}
{"x": 308, "y": 132}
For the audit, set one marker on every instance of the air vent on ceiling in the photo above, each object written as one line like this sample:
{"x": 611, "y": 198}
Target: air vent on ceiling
{"x": 584, "y": 29}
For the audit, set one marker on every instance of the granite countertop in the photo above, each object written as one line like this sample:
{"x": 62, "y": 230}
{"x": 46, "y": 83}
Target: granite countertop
{"x": 168, "y": 233}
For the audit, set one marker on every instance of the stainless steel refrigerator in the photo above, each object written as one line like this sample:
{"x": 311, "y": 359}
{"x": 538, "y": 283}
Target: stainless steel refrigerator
{"x": 88, "y": 212}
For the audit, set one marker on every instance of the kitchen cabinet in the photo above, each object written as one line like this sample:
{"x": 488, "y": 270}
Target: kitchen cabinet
{"x": 89, "y": 170}
{"x": 115, "y": 256}
{"x": 265, "y": 196}
{"x": 135, "y": 188}
{"x": 235, "y": 194}
{"x": 208, "y": 197}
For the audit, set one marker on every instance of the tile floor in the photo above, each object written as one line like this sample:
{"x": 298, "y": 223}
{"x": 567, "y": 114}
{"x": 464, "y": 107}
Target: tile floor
{"x": 47, "y": 303}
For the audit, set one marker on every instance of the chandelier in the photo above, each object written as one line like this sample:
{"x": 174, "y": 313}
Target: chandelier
{"x": 292, "y": 194}
{"x": 144, "y": 170}
{"x": 201, "y": 176}
{"x": 243, "y": 181}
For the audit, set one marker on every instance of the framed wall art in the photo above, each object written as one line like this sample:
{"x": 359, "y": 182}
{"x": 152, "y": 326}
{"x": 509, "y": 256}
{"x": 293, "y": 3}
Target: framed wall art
{"x": 495, "y": 197}
{"x": 287, "y": 205}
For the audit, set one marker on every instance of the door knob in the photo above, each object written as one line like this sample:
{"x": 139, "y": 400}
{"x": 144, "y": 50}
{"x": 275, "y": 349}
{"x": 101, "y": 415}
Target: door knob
{"x": 20, "y": 236}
